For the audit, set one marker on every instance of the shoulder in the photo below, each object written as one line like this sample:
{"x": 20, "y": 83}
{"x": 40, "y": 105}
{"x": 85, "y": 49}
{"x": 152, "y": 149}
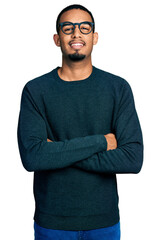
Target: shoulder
{"x": 118, "y": 85}
{"x": 113, "y": 79}
{"x": 35, "y": 89}
{"x": 41, "y": 82}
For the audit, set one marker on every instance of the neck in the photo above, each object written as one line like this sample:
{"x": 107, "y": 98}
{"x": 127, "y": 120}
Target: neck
{"x": 72, "y": 71}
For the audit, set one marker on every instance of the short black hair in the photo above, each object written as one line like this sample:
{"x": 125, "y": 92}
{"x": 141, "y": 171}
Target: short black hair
{"x": 70, "y": 7}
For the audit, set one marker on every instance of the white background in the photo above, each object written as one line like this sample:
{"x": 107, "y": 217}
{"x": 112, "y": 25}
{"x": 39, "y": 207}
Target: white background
{"x": 129, "y": 46}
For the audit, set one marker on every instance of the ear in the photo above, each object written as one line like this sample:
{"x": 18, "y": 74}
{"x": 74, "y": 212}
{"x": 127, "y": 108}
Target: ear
{"x": 56, "y": 39}
{"x": 95, "y": 38}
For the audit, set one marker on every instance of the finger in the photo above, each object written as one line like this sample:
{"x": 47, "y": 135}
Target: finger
{"x": 48, "y": 140}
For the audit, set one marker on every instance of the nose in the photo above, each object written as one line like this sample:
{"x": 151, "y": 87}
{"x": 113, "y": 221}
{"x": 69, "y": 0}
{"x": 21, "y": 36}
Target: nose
{"x": 76, "y": 33}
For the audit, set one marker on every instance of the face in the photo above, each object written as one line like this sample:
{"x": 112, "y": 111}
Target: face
{"x": 76, "y": 46}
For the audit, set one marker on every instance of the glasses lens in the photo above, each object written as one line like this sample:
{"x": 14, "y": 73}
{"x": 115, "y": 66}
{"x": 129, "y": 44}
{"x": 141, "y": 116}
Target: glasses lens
{"x": 67, "y": 28}
{"x": 86, "y": 28}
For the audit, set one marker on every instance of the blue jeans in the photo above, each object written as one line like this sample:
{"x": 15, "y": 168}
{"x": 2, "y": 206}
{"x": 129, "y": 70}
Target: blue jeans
{"x": 108, "y": 233}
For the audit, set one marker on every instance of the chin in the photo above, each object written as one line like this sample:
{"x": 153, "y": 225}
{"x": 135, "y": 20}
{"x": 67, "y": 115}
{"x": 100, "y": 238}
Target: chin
{"x": 75, "y": 57}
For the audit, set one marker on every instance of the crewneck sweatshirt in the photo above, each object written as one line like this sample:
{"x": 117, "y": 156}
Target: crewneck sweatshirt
{"x": 75, "y": 185}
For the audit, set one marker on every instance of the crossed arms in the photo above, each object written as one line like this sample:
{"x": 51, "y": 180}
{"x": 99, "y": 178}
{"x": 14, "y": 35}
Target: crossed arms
{"x": 110, "y": 138}
{"x": 97, "y": 153}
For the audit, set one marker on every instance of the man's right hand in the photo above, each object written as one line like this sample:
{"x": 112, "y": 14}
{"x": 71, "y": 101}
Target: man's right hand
{"x": 111, "y": 141}
{"x": 48, "y": 140}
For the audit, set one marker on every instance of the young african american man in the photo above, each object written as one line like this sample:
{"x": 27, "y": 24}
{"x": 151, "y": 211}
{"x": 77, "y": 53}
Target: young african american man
{"x": 78, "y": 128}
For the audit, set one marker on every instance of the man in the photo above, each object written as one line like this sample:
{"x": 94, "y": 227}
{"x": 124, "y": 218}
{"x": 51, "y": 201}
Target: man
{"x": 77, "y": 129}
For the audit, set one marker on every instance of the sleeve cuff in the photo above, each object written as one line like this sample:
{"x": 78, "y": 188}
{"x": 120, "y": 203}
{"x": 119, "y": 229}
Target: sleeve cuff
{"x": 102, "y": 142}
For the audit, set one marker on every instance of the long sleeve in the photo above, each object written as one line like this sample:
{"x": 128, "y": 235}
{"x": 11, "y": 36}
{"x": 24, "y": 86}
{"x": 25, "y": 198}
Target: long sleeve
{"x": 128, "y": 157}
{"x": 37, "y": 154}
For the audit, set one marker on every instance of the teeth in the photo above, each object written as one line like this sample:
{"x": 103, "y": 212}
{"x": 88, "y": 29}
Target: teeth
{"x": 76, "y": 44}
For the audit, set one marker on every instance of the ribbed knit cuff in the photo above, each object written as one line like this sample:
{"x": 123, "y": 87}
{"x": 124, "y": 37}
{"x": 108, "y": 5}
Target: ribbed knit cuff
{"x": 102, "y": 142}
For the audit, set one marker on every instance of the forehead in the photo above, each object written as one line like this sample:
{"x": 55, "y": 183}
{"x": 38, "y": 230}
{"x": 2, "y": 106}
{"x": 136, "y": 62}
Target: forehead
{"x": 75, "y": 15}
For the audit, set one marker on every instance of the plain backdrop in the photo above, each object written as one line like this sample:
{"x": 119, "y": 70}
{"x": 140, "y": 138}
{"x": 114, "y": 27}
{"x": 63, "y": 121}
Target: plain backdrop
{"x": 129, "y": 46}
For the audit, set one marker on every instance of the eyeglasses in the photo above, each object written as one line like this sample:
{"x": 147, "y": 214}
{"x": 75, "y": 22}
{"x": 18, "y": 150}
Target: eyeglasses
{"x": 69, "y": 27}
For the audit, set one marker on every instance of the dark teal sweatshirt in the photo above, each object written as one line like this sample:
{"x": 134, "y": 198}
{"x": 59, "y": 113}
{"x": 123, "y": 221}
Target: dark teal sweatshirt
{"x": 75, "y": 185}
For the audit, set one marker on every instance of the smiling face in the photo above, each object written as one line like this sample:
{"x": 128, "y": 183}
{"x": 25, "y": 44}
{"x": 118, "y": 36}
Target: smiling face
{"x": 76, "y": 46}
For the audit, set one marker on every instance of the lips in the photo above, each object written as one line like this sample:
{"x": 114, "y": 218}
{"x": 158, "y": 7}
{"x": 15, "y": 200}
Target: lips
{"x": 76, "y": 45}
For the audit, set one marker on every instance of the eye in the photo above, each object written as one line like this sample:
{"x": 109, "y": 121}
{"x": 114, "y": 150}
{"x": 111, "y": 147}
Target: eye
{"x": 67, "y": 28}
{"x": 85, "y": 27}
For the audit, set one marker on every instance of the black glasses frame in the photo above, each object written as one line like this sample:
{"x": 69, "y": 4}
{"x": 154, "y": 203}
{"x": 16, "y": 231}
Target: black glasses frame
{"x": 74, "y": 24}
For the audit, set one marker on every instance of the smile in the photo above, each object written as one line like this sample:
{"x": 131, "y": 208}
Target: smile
{"x": 76, "y": 45}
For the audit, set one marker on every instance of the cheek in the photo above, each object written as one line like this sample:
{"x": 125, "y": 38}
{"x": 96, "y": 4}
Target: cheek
{"x": 90, "y": 43}
{"x": 64, "y": 44}
{"x": 89, "y": 40}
